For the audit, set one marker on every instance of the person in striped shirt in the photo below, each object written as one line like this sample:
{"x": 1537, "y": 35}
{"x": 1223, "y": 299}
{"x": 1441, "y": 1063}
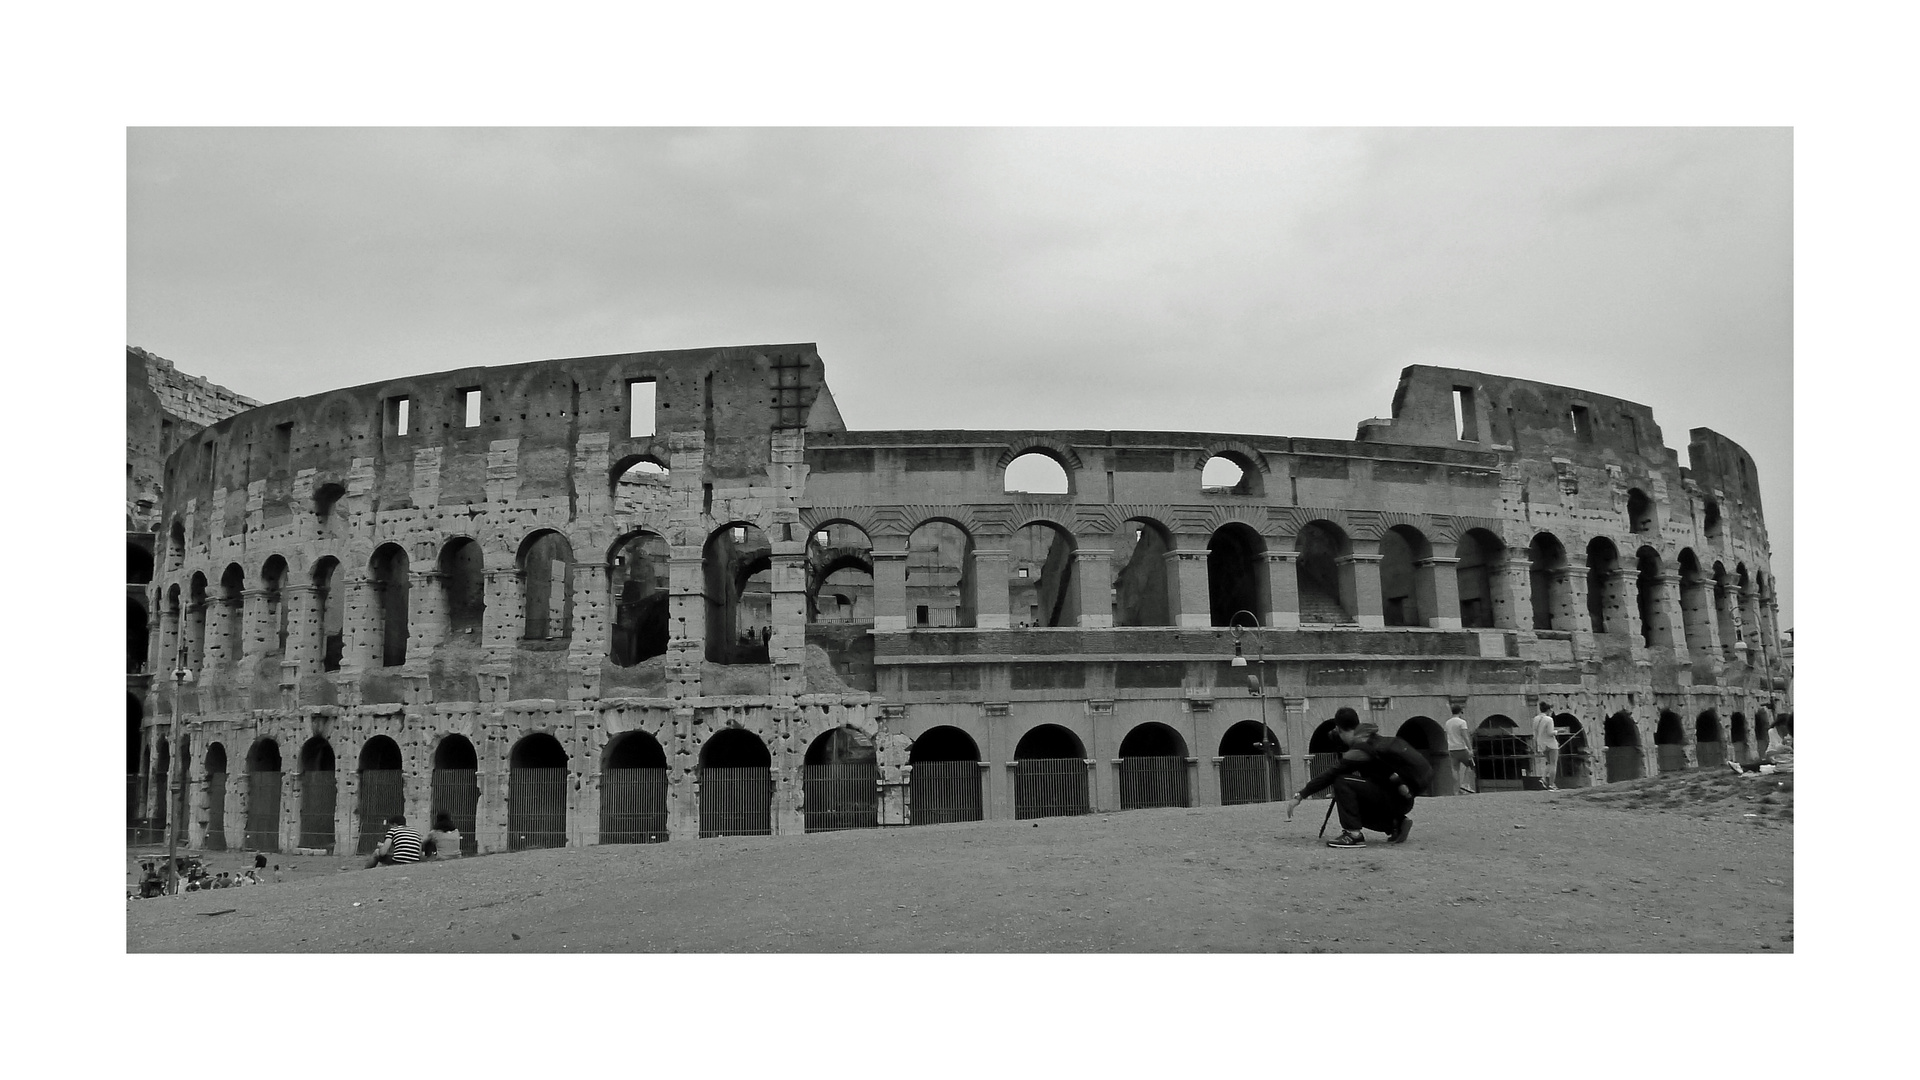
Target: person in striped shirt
{"x": 401, "y": 845}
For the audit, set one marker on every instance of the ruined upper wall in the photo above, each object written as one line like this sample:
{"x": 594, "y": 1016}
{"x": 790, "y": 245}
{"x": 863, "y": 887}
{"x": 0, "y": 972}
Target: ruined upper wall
{"x": 165, "y": 406}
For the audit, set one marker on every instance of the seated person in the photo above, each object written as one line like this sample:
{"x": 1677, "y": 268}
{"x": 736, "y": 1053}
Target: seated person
{"x": 444, "y": 838}
{"x": 1777, "y": 760}
{"x": 401, "y": 845}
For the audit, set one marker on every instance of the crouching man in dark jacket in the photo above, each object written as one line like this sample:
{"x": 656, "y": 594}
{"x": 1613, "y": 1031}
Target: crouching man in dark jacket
{"x": 1373, "y": 785}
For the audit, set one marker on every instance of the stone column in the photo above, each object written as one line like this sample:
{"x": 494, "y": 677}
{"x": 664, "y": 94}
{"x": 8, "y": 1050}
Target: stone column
{"x": 426, "y": 613}
{"x": 789, "y": 603}
{"x": 1093, "y": 569}
{"x": 1512, "y": 586}
{"x": 197, "y": 635}
{"x": 501, "y": 624}
{"x": 358, "y": 648}
{"x": 1295, "y": 731}
{"x": 259, "y": 637}
{"x": 168, "y": 657}
{"x": 890, "y": 611}
{"x": 1570, "y": 600}
{"x": 1283, "y": 590}
{"x": 990, "y": 587}
{"x": 1623, "y": 608}
{"x": 1438, "y": 583}
{"x": 217, "y": 616}
{"x": 1188, "y": 568}
{"x": 1667, "y": 599}
{"x": 1363, "y": 569}
{"x": 686, "y": 602}
{"x": 588, "y": 645}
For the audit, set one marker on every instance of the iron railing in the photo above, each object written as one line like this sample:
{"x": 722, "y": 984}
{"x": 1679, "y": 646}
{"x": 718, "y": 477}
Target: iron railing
{"x": 382, "y": 795}
{"x": 1672, "y": 757}
{"x": 1624, "y": 763}
{"x": 1148, "y": 782}
{"x": 736, "y": 801}
{"x": 536, "y": 808}
{"x": 841, "y": 795}
{"x": 263, "y": 811}
{"x": 1502, "y": 762}
{"x": 1711, "y": 755}
{"x": 633, "y": 806}
{"x": 318, "y": 791}
{"x": 1050, "y": 787}
{"x": 1240, "y": 779}
{"x": 456, "y": 792}
{"x": 945, "y": 791}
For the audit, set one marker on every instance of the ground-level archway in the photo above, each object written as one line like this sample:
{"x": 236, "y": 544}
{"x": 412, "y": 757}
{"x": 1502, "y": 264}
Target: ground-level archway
{"x": 263, "y": 796}
{"x": 1153, "y": 768}
{"x": 318, "y": 794}
{"x": 216, "y": 797}
{"x": 736, "y": 785}
{"x": 1670, "y": 742}
{"x": 633, "y": 790}
{"x": 946, "y": 778}
{"x": 1241, "y": 759}
{"x": 1622, "y": 736}
{"x": 1742, "y": 748}
{"x": 1501, "y": 757}
{"x": 537, "y": 794}
{"x": 382, "y": 790}
{"x": 1425, "y": 735}
{"x": 1050, "y": 774}
{"x": 1708, "y": 749}
{"x": 456, "y": 788}
{"x": 1575, "y": 768}
{"x": 840, "y": 782}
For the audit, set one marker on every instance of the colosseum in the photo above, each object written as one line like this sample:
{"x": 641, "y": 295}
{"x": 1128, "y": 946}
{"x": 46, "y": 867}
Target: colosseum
{"x": 666, "y": 595}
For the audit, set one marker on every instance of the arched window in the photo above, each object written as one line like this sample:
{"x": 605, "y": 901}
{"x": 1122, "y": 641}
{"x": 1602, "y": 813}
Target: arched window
{"x": 318, "y": 791}
{"x": 1622, "y": 736}
{"x": 463, "y": 590}
{"x": 216, "y": 782}
{"x": 1711, "y": 520}
{"x": 1696, "y": 603}
{"x": 1034, "y": 473}
{"x": 1042, "y": 588}
{"x": 1230, "y": 473}
{"x": 546, "y": 574}
{"x": 1670, "y": 742}
{"x": 1236, "y": 575}
{"x": 1407, "y": 595}
{"x": 839, "y": 575}
{"x": 1603, "y": 584}
{"x": 324, "y": 498}
{"x": 329, "y": 602}
{"x": 945, "y": 785}
{"x": 1547, "y": 571}
{"x": 1654, "y": 629}
{"x": 176, "y": 545}
{"x": 1142, "y": 592}
{"x": 136, "y": 636}
{"x": 738, "y": 564}
{"x": 642, "y": 486}
{"x": 263, "y": 796}
{"x": 1639, "y": 511}
{"x": 273, "y": 579}
{"x": 639, "y": 579}
{"x": 388, "y": 580}
{"x": 1481, "y": 553}
{"x": 1324, "y": 574}
{"x": 139, "y": 563}
{"x": 940, "y": 576}
{"x": 233, "y": 583}
{"x": 197, "y": 621}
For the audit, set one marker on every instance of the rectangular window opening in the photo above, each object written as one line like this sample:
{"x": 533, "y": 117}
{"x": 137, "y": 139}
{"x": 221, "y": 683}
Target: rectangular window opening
{"x": 920, "y": 615}
{"x": 399, "y": 415}
{"x": 470, "y": 406}
{"x": 1465, "y": 424}
{"x": 1582, "y": 426}
{"x": 640, "y": 408}
{"x": 283, "y": 441}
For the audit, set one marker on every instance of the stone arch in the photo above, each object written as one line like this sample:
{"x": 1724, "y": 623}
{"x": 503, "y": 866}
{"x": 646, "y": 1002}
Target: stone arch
{"x": 273, "y": 584}
{"x": 139, "y": 563}
{"x": 738, "y": 565}
{"x": 329, "y": 597}
{"x": 318, "y": 794}
{"x": 1324, "y": 573}
{"x": 232, "y": 608}
{"x": 1042, "y": 582}
{"x": 940, "y": 574}
{"x": 1236, "y": 574}
{"x": 1037, "y": 472}
{"x": 1547, "y": 571}
{"x": 1604, "y": 604}
{"x": 1144, "y": 593}
{"x": 463, "y": 589}
{"x": 736, "y": 785}
{"x": 1153, "y": 768}
{"x": 137, "y": 631}
{"x": 1050, "y": 774}
{"x": 382, "y": 789}
{"x": 1242, "y": 756}
{"x": 455, "y": 788}
{"x": 537, "y": 784}
{"x": 545, "y": 561}
{"x": 1232, "y": 469}
{"x": 1640, "y": 511}
{"x": 1670, "y": 742}
{"x": 1709, "y": 748}
{"x": 196, "y": 631}
{"x": 633, "y": 790}
{"x": 1501, "y": 755}
{"x": 1649, "y": 577}
{"x": 176, "y": 545}
{"x": 944, "y": 785}
{"x": 1621, "y": 734}
{"x": 1407, "y": 593}
{"x": 388, "y": 583}
{"x": 641, "y": 485}
{"x": 263, "y": 795}
{"x": 1710, "y": 521}
{"x": 1573, "y": 769}
{"x": 1425, "y": 734}
{"x": 639, "y": 588}
{"x": 840, "y": 777}
{"x": 216, "y": 784}
{"x": 839, "y": 574}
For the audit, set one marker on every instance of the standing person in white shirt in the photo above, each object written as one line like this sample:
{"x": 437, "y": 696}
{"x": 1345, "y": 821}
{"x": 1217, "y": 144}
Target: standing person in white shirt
{"x": 1546, "y": 746}
{"x": 1460, "y": 749}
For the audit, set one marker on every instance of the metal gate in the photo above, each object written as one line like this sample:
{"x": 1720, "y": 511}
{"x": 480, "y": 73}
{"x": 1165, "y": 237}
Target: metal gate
{"x": 633, "y": 806}
{"x": 1712, "y": 755}
{"x": 216, "y": 811}
{"x": 1240, "y": 779}
{"x": 457, "y": 792}
{"x": 1502, "y": 761}
{"x": 1672, "y": 756}
{"x": 1623, "y": 763}
{"x": 736, "y": 801}
{"x": 382, "y": 795}
{"x": 317, "y": 801}
{"x": 536, "y": 808}
{"x": 1148, "y": 782}
{"x": 944, "y": 791}
{"x": 1050, "y": 787}
{"x": 841, "y": 795}
{"x": 263, "y": 811}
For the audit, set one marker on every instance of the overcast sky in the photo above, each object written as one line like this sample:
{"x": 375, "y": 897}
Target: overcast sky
{"x": 1261, "y": 281}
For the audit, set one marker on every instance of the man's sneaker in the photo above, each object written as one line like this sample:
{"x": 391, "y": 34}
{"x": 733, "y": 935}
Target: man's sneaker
{"x": 1735, "y": 766}
{"x": 1401, "y": 830}
{"x": 1347, "y": 840}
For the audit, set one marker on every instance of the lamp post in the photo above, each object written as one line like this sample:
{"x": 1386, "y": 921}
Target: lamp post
{"x": 176, "y": 803}
{"x": 1258, "y": 685}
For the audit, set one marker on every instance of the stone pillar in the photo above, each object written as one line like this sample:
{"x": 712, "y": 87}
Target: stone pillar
{"x": 789, "y": 603}
{"x": 217, "y": 623}
{"x": 1512, "y": 586}
{"x": 1283, "y": 590}
{"x": 589, "y": 644}
{"x": 1438, "y": 584}
{"x": 990, "y": 587}
{"x": 168, "y": 656}
{"x": 890, "y": 587}
{"x": 1093, "y": 571}
{"x": 502, "y": 623}
{"x": 1623, "y": 607}
{"x": 686, "y": 602}
{"x": 1667, "y": 601}
{"x": 197, "y": 635}
{"x": 259, "y": 636}
{"x": 1703, "y": 630}
{"x": 1750, "y": 627}
{"x": 1188, "y": 569}
{"x": 1363, "y": 570}
{"x": 358, "y": 648}
{"x": 1295, "y": 731}
{"x": 1570, "y": 600}
{"x": 426, "y": 613}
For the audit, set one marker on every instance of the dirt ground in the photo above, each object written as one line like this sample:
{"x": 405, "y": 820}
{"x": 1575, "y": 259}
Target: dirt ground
{"x": 1691, "y": 863}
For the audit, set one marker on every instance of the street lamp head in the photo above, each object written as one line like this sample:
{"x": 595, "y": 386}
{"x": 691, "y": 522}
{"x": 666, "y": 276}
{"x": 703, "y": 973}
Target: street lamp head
{"x": 1239, "y": 660}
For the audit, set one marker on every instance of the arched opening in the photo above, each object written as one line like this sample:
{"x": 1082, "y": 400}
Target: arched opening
{"x": 162, "y": 780}
{"x": 1574, "y": 769}
{"x": 263, "y": 796}
{"x": 633, "y": 790}
{"x": 176, "y": 546}
{"x": 456, "y": 788}
{"x": 1711, "y": 520}
{"x": 1696, "y": 604}
{"x": 537, "y": 785}
{"x": 1622, "y": 735}
{"x": 1670, "y": 742}
{"x": 318, "y": 794}
{"x": 945, "y": 784}
{"x": 136, "y": 713}
{"x": 216, "y": 797}
{"x": 1603, "y": 579}
{"x": 463, "y": 591}
{"x": 1709, "y": 751}
{"x": 736, "y": 785}
{"x": 1041, "y": 585}
{"x": 273, "y": 580}
{"x": 1742, "y": 748}
{"x": 388, "y": 582}
{"x": 1153, "y": 768}
{"x": 1141, "y": 593}
{"x": 172, "y": 634}
{"x": 139, "y": 564}
{"x": 738, "y": 562}
{"x": 1425, "y": 734}
{"x": 1324, "y": 574}
{"x": 1407, "y": 596}
{"x": 1481, "y": 554}
{"x": 643, "y": 487}
{"x": 233, "y": 583}
{"x": 1501, "y": 756}
{"x": 382, "y": 790}
{"x": 1049, "y": 774}
{"x": 329, "y": 601}
{"x": 639, "y": 579}
{"x": 1034, "y": 473}
{"x": 1654, "y": 629}
{"x": 185, "y": 815}
{"x": 1236, "y": 572}
{"x": 546, "y": 574}
{"x": 1639, "y": 511}
{"x": 1229, "y": 474}
{"x": 1241, "y": 759}
{"x": 197, "y": 621}
{"x": 1547, "y": 573}
{"x": 324, "y": 498}
{"x": 940, "y": 578}
{"x": 840, "y": 780}
{"x": 136, "y": 636}
{"x": 840, "y": 575}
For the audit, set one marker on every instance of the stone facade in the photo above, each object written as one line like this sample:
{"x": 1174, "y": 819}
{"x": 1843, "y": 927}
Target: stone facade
{"x": 653, "y": 595}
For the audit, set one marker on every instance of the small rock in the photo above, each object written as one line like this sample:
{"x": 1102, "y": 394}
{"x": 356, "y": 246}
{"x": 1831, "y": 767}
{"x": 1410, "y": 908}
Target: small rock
{"x": 1519, "y": 826}
{"x": 516, "y": 937}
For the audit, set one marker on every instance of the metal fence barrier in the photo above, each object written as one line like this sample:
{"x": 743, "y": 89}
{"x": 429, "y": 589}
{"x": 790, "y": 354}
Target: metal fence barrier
{"x": 1240, "y": 779}
{"x": 216, "y": 811}
{"x": 1711, "y": 755}
{"x": 736, "y": 801}
{"x": 1148, "y": 782}
{"x": 1050, "y": 787}
{"x": 382, "y": 795}
{"x": 945, "y": 791}
{"x": 317, "y": 800}
{"x": 536, "y": 808}
{"x": 263, "y": 811}
{"x": 457, "y": 793}
{"x": 633, "y": 806}
{"x": 841, "y": 795}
